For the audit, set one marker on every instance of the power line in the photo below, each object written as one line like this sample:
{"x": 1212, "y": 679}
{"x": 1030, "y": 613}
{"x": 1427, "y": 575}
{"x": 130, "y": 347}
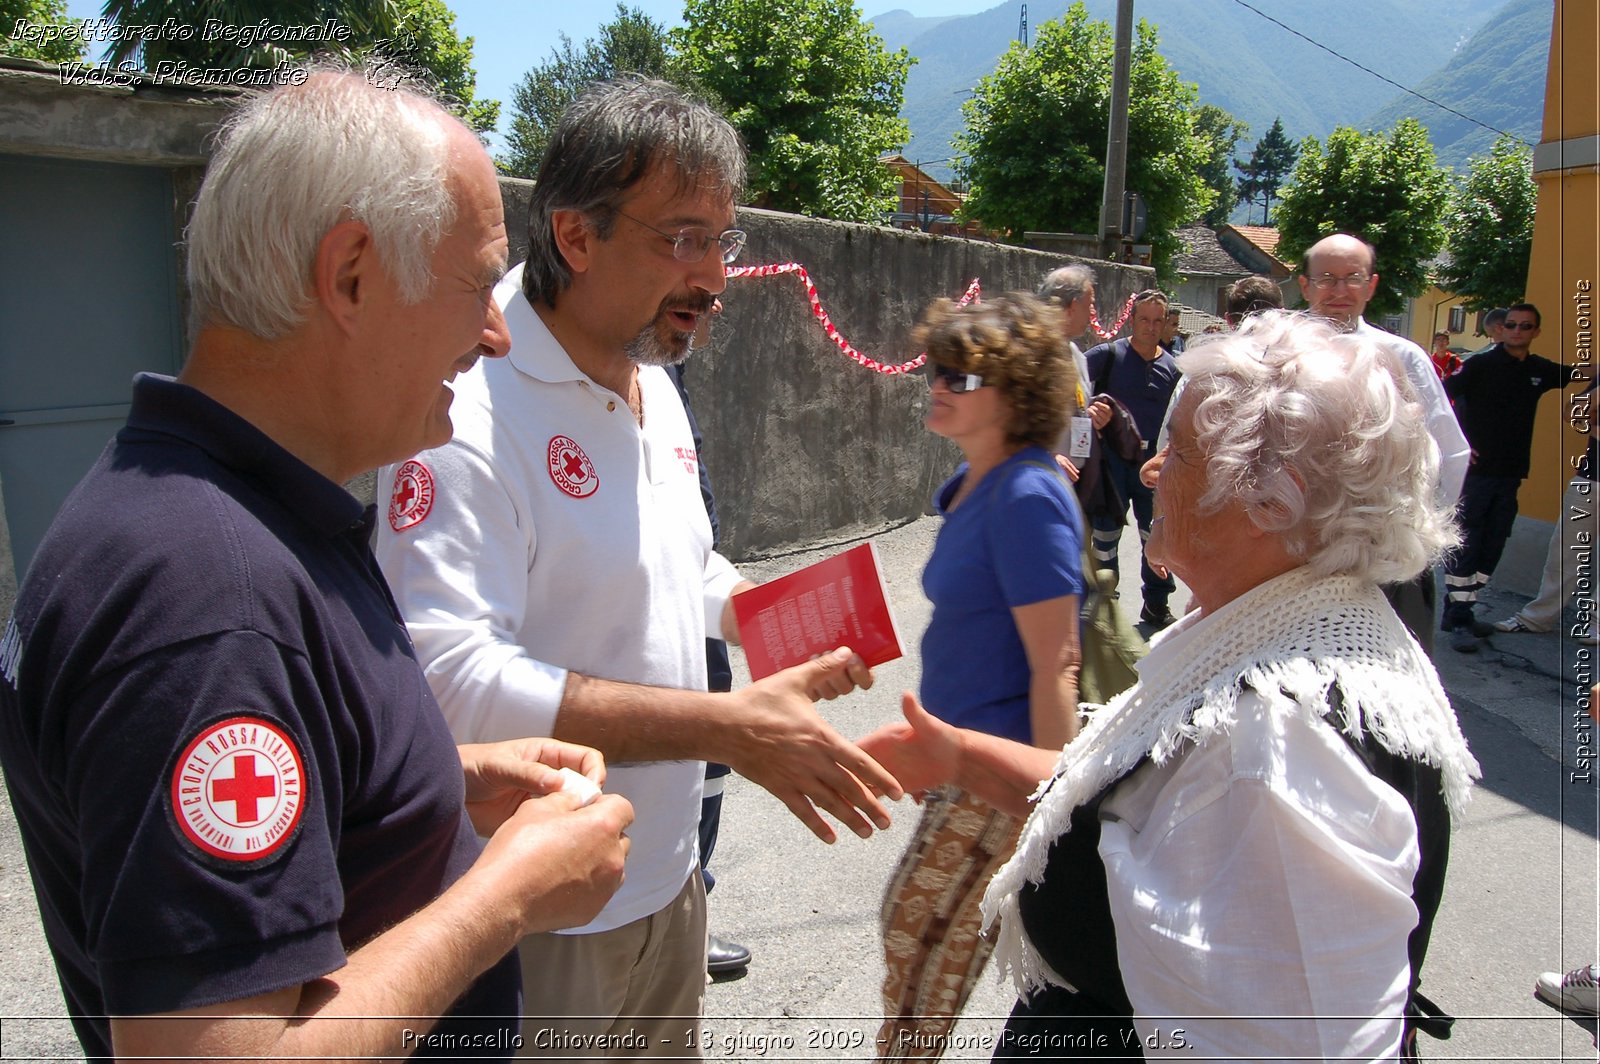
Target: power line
{"x": 1380, "y": 77}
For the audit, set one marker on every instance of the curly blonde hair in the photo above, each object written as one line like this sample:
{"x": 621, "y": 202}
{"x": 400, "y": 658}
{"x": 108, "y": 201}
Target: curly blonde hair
{"x": 1015, "y": 343}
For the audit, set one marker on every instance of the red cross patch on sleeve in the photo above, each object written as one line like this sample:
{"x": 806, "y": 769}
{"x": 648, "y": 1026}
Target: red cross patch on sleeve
{"x": 238, "y": 789}
{"x": 412, "y": 498}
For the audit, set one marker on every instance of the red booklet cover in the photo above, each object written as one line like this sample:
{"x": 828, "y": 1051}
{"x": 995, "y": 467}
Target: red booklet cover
{"x": 839, "y": 601}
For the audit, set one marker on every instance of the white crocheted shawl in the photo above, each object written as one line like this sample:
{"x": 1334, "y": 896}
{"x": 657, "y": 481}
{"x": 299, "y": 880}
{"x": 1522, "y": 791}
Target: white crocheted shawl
{"x": 1298, "y": 633}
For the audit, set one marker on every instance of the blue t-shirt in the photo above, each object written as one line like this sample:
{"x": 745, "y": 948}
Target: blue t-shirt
{"x": 1143, "y": 387}
{"x": 1015, "y": 540}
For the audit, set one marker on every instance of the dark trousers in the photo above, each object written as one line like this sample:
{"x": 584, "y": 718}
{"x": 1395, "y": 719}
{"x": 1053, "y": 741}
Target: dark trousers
{"x": 719, "y": 673}
{"x": 1108, "y": 530}
{"x": 1487, "y": 512}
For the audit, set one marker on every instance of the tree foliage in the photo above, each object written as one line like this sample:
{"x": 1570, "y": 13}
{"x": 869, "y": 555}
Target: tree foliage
{"x": 393, "y": 36}
{"x": 43, "y": 14}
{"x": 1386, "y": 189}
{"x": 1260, "y": 177}
{"x": 813, "y": 92}
{"x": 1035, "y": 136}
{"x": 631, "y": 43}
{"x": 1220, "y": 132}
{"x": 1490, "y": 228}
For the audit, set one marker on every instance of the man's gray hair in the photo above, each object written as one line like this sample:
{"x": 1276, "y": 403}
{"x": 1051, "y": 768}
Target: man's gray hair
{"x": 292, "y": 163}
{"x": 1066, "y": 284}
{"x": 1321, "y": 437}
{"x": 608, "y": 140}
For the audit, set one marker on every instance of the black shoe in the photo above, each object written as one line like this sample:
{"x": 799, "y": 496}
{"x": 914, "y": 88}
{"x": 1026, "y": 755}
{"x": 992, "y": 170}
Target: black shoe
{"x": 723, "y": 956}
{"x": 1464, "y": 642}
{"x": 1467, "y": 624}
{"x": 1157, "y": 621}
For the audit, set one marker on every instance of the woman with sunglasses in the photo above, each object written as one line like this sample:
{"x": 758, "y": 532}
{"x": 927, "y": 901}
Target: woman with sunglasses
{"x": 1001, "y": 651}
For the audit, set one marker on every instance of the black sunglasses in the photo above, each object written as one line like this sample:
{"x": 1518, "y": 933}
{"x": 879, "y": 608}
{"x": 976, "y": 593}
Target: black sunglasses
{"x": 1519, "y": 326}
{"x": 957, "y": 381}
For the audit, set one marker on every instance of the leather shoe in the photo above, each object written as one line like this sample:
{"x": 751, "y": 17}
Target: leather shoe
{"x": 723, "y": 956}
{"x": 1466, "y": 622}
{"x": 1157, "y": 620}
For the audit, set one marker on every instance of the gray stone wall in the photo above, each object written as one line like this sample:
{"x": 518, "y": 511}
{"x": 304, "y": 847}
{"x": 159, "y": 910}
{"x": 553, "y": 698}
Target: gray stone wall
{"x": 803, "y": 444}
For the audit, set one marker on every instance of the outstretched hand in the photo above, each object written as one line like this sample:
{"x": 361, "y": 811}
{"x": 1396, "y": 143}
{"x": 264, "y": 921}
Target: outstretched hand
{"x": 786, "y": 747}
{"x": 922, "y": 751}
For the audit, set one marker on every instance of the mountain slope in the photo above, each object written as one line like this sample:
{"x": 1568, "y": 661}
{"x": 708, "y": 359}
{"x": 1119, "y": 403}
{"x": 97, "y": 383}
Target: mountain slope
{"x": 1497, "y": 78}
{"x": 1241, "y": 61}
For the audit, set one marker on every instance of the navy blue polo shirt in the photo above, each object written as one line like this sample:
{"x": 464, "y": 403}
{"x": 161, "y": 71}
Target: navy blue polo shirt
{"x": 226, "y": 765}
{"x": 1496, "y": 397}
{"x": 1144, "y": 387}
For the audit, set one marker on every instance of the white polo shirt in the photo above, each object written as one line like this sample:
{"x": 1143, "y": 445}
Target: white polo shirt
{"x": 553, "y": 533}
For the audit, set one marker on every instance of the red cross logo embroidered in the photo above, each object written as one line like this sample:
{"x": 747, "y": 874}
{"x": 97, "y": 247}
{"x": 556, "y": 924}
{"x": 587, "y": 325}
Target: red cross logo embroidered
{"x": 238, "y": 789}
{"x": 412, "y": 499}
{"x": 571, "y": 469}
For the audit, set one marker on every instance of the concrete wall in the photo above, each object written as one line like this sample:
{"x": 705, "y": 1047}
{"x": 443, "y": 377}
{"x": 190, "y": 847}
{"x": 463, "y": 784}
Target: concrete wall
{"x": 803, "y": 444}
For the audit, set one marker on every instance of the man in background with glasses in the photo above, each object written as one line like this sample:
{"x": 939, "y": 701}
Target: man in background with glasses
{"x": 555, "y": 565}
{"x": 1496, "y": 396}
{"x": 1338, "y": 276}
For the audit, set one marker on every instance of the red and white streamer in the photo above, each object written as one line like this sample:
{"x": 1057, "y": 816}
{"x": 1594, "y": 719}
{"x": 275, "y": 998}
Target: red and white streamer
{"x": 1122, "y": 319}
{"x": 773, "y": 269}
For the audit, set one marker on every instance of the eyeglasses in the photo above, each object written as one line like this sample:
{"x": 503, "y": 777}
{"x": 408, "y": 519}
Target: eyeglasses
{"x": 957, "y": 381}
{"x": 1327, "y": 281}
{"x": 1519, "y": 326}
{"x": 691, "y": 243}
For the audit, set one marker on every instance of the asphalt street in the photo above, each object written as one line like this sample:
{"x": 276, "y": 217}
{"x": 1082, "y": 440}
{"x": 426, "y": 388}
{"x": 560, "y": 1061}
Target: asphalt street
{"x": 1520, "y": 896}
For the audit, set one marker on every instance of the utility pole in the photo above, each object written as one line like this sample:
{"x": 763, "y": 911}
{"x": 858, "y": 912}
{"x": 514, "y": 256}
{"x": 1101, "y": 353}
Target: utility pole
{"x": 1117, "y": 136}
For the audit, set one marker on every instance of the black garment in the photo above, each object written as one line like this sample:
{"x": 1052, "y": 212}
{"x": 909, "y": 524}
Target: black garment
{"x": 202, "y": 586}
{"x": 1488, "y": 511}
{"x": 1096, "y": 488}
{"x": 1067, "y": 918}
{"x": 719, "y": 671}
{"x": 1496, "y": 397}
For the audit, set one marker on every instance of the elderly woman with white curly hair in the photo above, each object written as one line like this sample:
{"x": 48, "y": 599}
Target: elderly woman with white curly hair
{"x": 1241, "y": 857}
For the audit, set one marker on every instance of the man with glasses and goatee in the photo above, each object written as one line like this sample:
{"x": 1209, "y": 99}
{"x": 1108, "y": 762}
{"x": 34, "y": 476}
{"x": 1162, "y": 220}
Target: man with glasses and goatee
{"x": 555, "y": 568}
{"x": 1338, "y": 276}
{"x": 1496, "y": 396}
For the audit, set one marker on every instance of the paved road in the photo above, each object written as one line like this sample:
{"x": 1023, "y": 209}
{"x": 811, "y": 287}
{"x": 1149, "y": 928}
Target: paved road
{"x": 1520, "y": 896}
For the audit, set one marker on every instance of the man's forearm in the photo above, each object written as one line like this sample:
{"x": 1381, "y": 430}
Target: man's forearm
{"x": 399, "y": 982}
{"x": 635, "y": 722}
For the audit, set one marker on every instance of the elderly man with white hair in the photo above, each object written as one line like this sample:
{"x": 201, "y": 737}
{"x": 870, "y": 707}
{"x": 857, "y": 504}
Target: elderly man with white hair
{"x": 1251, "y": 843}
{"x": 251, "y": 834}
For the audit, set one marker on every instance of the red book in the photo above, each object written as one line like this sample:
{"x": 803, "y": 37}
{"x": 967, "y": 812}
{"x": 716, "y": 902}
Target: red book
{"x": 839, "y": 601}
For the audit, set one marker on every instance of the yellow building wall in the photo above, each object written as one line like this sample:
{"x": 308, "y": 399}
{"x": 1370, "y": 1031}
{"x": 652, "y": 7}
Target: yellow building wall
{"x": 1564, "y": 275}
{"x": 1430, "y": 313}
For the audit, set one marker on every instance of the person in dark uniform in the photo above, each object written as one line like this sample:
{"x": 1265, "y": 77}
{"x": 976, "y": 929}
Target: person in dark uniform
{"x": 1241, "y": 857}
{"x": 248, "y": 827}
{"x": 1496, "y": 395}
{"x": 1140, "y": 374}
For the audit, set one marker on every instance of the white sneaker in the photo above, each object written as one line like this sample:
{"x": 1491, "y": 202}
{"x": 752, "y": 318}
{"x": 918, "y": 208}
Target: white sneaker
{"x": 1576, "y": 991}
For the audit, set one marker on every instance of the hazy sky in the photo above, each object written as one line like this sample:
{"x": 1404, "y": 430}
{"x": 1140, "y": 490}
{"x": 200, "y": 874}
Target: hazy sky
{"x": 511, "y": 36}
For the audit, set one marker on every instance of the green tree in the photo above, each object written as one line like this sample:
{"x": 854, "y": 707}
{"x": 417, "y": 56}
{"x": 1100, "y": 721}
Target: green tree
{"x": 1035, "y": 136}
{"x": 425, "y": 39}
{"x": 813, "y": 92}
{"x": 631, "y": 43}
{"x": 1386, "y": 189}
{"x": 1220, "y": 132}
{"x": 39, "y": 15}
{"x": 1489, "y": 227}
{"x": 1270, "y": 162}
{"x": 399, "y": 37}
